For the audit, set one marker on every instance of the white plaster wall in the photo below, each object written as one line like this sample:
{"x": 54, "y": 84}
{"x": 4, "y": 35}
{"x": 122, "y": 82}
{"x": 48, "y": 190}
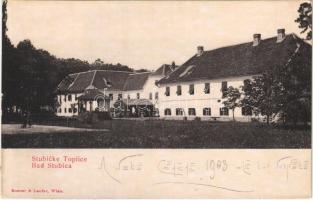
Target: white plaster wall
{"x": 67, "y": 105}
{"x": 148, "y": 88}
{"x": 115, "y": 96}
{"x": 200, "y": 100}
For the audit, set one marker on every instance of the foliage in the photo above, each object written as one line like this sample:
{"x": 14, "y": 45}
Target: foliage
{"x": 232, "y": 96}
{"x": 260, "y": 95}
{"x": 157, "y": 134}
{"x": 31, "y": 75}
{"x": 283, "y": 92}
{"x": 305, "y": 19}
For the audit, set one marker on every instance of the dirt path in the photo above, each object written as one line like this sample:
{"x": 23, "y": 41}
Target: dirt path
{"x": 16, "y": 129}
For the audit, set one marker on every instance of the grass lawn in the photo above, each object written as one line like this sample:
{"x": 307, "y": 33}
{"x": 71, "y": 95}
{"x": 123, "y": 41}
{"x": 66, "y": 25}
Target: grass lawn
{"x": 160, "y": 134}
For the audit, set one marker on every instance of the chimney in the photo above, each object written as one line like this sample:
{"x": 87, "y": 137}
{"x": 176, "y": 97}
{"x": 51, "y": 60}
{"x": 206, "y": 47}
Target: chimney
{"x": 280, "y": 35}
{"x": 256, "y": 39}
{"x": 199, "y": 50}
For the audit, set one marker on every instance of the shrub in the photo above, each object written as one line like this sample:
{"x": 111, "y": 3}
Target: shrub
{"x": 197, "y": 119}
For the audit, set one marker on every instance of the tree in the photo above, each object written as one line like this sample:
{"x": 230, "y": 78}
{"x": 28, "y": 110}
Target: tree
{"x": 259, "y": 95}
{"x": 283, "y": 91}
{"x": 305, "y": 19}
{"x": 232, "y": 96}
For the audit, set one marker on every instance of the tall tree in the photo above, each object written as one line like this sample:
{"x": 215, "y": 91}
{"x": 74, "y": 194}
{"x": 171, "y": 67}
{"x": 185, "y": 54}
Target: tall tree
{"x": 283, "y": 91}
{"x": 305, "y": 19}
{"x": 232, "y": 96}
{"x": 260, "y": 95}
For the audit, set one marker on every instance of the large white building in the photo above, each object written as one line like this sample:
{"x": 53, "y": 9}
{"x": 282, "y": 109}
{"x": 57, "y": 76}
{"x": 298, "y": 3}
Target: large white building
{"x": 191, "y": 90}
{"x": 101, "y": 89}
{"x": 195, "y": 88}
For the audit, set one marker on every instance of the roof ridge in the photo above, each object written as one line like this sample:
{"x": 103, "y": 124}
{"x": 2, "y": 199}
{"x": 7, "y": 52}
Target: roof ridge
{"x": 140, "y": 73}
{"x": 243, "y": 43}
{"x": 93, "y": 77}
{"x": 73, "y": 82}
{"x": 113, "y": 71}
{"x": 101, "y": 70}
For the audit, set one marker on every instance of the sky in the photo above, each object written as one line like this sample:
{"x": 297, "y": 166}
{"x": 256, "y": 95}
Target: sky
{"x": 144, "y": 34}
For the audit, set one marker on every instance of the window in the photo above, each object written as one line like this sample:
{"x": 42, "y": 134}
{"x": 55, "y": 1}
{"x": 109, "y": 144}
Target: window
{"x": 150, "y": 96}
{"x": 191, "y": 111}
{"x": 247, "y": 85}
{"x": 69, "y": 97}
{"x": 207, "y": 111}
{"x": 179, "y": 111}
{"x": 111, "y": 96}
{"x": 167, "y": 91}
{"x": 191, "y": 89}
{"x": 75, "y": 97}
{"x": 224, "y": 86}
{"x": 246, "y": 111}
{"x": 178, "y": 92}
{"x": 224, "y": 111}
{"x": 75, "y": 110}
{"x": 207, "y": 88}
{"x": 246, "y": 82}
{"x": 138, "y": 95}
{"x": 60, "y": 99}
{"x": 60, "y": 110}
{"x": 128, "y": 96}
{"x": 167, "y": 111}
{"x": 64, "y": 98}
{"x": 156, "y": 95}
{"x": 70, "y": 110}
{"x": 119, "y": 96}
{"x": 65, "y": 110}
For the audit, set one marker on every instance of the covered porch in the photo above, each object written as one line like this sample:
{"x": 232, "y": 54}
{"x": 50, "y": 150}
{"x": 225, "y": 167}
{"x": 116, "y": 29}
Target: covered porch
{"x": 134, "y": 108}
{"x": 93, "y": 100}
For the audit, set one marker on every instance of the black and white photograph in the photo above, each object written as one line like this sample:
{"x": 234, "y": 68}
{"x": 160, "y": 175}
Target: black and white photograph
{"x": 156, "y": 75}
{"x": 156, "y": 99}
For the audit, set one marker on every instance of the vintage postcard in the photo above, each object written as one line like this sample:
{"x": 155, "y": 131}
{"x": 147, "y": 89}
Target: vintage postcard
{"x": 156, "y": 99}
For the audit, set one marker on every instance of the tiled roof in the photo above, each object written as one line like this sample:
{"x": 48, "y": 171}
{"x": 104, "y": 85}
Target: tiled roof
{"x": 239, "y": 60}
{"x": 66, "y": 82}
{"x": 92, "y": 95}
{"x": 164, "y": 70}
{"x": 136, "y": 102}
{"x": 116, "y": 79}
{"x": 136, "y": 81}
{"x": 82, "y": 81}
{"x": 96, "y": 79}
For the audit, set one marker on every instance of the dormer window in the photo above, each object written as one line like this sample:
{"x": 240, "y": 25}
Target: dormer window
{"x": 138, "y": 95}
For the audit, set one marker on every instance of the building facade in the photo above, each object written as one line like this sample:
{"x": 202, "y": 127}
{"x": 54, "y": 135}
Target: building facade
{"x": 195, "y": 89}
{"x": 99, "y": 90}
{"x": 191, "y": 90}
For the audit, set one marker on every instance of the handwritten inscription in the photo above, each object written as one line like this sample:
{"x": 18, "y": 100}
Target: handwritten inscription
{"x": 201, "y": 172}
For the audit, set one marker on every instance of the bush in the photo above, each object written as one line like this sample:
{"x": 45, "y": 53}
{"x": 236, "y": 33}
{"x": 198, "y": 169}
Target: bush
{"x": 197, "y": 119}
{"x": 103, "y": 115}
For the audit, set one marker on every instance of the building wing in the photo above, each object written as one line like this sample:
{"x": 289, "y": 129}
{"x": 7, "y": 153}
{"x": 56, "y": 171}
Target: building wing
{"x": 136, "y": 81}
{"x": 239, "y": 60}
